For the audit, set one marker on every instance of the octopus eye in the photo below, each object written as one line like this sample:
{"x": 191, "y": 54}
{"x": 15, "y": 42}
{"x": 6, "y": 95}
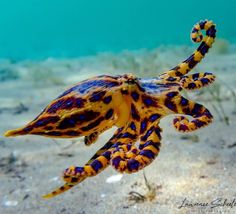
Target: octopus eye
{"x": 130, "y": 81}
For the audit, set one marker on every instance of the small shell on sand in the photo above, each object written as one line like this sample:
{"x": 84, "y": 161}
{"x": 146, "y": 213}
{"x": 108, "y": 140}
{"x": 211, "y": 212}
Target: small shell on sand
{"x": 103, "y": 195}
{"x": 10, "y": 203}
{"x": 114, "y": 178}
{"x": 54, "y": 179}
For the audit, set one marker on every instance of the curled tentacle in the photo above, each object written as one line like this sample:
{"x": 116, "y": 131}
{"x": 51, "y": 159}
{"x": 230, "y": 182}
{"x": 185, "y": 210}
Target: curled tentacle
{"x": 177, "y": 104}
{"x": 206, "y": 43}
{"x": 197, "y": 80}
{"x": 201, "y": 117}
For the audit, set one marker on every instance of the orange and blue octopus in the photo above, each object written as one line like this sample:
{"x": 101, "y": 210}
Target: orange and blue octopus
{"x": 134, "y": 105}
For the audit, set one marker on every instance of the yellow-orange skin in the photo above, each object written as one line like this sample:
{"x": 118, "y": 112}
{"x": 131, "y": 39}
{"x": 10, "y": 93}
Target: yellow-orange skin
{"x": 132, "y": 104}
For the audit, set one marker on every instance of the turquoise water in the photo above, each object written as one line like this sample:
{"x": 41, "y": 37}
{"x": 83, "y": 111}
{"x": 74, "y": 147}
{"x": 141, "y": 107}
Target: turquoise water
{"x": 38, "y": 29}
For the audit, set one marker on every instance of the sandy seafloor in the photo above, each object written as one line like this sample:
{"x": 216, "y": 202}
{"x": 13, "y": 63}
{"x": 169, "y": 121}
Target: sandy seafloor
{"x": 199, "y": 166}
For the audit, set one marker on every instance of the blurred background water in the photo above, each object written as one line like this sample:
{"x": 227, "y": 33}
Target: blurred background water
{"x": 37, "y": 29}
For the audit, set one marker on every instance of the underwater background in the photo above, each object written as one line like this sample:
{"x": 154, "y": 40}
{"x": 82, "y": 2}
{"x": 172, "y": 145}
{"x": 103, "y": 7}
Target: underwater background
{"x": 38, "y": 29}
{"x": 47, "y": 46}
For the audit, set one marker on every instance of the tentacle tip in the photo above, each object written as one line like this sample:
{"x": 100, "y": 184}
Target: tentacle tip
{"x": 15, "y": 132}
{"x": 181, "y": 130}
{"x": 58, "y": 191}
{"x": 213, "y": 77}
{"x": 7, "y": 134}
{"x": 10, "y": 133}
{"x": 48, "y": 196}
